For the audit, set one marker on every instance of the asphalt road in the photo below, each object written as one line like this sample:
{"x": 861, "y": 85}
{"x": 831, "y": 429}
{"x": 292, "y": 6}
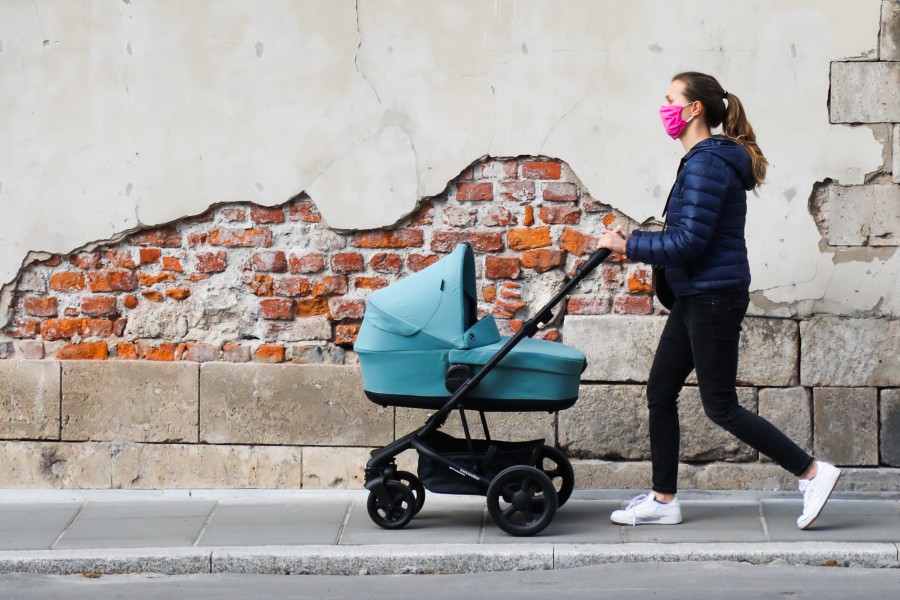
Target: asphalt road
{"x": 696, "y": 581}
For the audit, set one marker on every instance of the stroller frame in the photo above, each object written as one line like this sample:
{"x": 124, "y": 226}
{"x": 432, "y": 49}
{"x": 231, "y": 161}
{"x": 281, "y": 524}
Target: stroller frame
{"x": 529, "y": 495}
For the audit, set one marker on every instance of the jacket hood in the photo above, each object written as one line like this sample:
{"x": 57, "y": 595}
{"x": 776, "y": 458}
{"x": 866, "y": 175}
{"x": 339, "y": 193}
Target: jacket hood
{"x": 732, "y": 153}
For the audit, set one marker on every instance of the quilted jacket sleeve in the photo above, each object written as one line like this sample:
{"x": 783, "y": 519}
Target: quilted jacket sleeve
{"x": 705, "y": 180}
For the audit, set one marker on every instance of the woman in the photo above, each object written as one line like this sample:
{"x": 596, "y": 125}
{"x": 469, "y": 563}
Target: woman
{"x": 705, "y": 257}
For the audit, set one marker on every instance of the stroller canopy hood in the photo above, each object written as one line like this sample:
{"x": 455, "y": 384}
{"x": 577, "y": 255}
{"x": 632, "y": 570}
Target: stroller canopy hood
{"x": 438, "y": 301}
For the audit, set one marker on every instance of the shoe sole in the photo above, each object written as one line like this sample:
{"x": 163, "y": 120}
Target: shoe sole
{"x": 824, "y": 502}
{"x": 665, "y": 521}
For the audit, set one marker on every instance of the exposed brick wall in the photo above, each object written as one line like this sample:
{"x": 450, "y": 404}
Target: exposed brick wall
{"x": 244, "y": 282}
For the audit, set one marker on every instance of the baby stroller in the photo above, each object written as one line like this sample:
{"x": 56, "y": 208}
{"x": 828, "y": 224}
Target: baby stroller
{"x": 421, "y": 346}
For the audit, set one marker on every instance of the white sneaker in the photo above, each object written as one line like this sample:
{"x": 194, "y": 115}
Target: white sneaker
{"x": 644, "y": 510}
{"x": 816, "y": 492}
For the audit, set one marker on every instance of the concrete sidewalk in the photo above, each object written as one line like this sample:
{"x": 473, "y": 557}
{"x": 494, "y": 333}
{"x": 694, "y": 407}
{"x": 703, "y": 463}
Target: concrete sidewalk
{"x": 329, "y": 532}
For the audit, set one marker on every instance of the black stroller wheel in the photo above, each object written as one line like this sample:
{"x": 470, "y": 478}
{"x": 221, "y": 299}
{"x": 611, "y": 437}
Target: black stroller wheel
{"x": 415, "y": 486}
{"x": 521, "y": 500}
{"x": 557, "y": 467}
{"x": 401, "y": 511}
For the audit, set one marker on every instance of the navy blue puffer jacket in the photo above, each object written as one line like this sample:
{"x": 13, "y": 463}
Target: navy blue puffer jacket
{"x": 703, "y": 247}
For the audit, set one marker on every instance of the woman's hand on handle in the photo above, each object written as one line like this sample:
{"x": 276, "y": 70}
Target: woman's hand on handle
{"x": 614, "y": 240}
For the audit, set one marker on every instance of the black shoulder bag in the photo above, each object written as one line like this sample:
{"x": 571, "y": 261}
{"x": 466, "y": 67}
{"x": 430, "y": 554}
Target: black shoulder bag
{"x": 661, "y": 288}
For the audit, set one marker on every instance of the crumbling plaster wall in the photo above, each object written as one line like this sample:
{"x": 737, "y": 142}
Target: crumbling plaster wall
{"x": 118, "y": 115}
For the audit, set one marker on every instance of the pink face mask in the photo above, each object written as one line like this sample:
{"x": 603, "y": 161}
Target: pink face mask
{"x": 671, "y": 118}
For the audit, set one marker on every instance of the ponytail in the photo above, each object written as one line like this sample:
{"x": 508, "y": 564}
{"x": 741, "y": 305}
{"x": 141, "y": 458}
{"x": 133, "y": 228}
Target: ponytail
{"x": 732, "y": 117}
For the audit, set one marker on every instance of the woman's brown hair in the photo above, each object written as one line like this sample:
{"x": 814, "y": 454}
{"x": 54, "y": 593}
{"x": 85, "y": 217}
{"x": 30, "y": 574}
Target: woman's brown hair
{"x": 706, "y": 89}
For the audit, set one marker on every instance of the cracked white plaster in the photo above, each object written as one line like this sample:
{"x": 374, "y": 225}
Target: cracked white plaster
{"x": 371, "y": 105}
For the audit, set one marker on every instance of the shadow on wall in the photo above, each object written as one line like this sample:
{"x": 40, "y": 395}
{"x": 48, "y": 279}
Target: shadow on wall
{"x": 243, "y": 281}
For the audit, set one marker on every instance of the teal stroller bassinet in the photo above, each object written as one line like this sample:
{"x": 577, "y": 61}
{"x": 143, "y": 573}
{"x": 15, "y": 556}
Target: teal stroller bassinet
{"x": 421, "y": 345}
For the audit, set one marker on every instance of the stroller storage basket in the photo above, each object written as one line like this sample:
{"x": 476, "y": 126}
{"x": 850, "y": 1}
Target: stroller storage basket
{"x": 440, "y": 479}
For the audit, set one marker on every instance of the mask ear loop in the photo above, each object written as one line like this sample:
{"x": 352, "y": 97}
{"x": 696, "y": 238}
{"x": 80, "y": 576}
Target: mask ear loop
{"x": 690, "y": 118}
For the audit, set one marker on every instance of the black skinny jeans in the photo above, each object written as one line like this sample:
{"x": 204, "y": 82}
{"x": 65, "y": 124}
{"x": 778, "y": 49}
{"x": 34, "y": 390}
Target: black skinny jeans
{"x": 702, "y": 333}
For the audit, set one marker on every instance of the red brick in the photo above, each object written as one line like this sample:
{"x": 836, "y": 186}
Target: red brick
{"x": 119, "y": 327}
{"x": 395, "y": 238}
{"x": 612, "y": 275}
{"x": 273, "y": 261}
{"x": 170, "y": 263}
{"x": 509, "y": 327}
{"x": 528, "y": 221}
{"x": 370, "y": 283}
{"x": 40, "y": 307}
{"x": 53, "y": 261}
{"x": 162, "y": 237}
{"x": 386, "y": 262}
{"x": 486, "y": 241}
{"x": 84, "y": 351}
{"x": 235, "y": 353}
{"x": 233, "y": 214}
{"x": 258, "y": 237}
{"x": 178, "y": 293}
{"x": 507, "y": 310}
{"x": 541, "y": 169}
{"x": 206, "y": 217}
{"x": 588, "y": 304}
{"x": 291, "y": 286}
{"x": 61, "y": 329}
{"x": 577, "y": 243}
{"x": 342, "y": 309}
{"x": 306, "y": 211}
{"x": 129, "y": 301}
{"x": 211, "y": 262}
{"x": 497, "y": 267}
{"x": 269, "y": 353}
{"x": 101, "y": 328}
{"x": 511, "y": 289}
{"x": 265, "y": 214}
{"x": 560, "y": 214}
{"x": 308, "y": 263}
{"x": 112, "y": 280}
{"x": 445, "y": 241}
{"x": 31, "y": 349}
{"x": 457, "y": 215}
{"x": 516, "y": 191}
{"x": 558, "y": 191}
{"x": 195, "y": 277}
{"x": 592, "y": 205}
{"x": 127, "y": 351}
{"x": 489, "y": 293}
{"x": 200, "y": 353}
{"x": 146, "y": 280}
{"x": 312, "y": 306}
{"x": 261, "y": 285}
{"x": 475, "y": 192}
{"x": 497, "y": 216}
{"x": 71, "y": 311}
{"x": 124, "y": 259}
{"x": 347, "y": 262}
{"x": 197, "y": 239}
{"x": 85, "y": 260}
{"x": 608, "y": 220}
{"x": 67, "y": 282}
{"x": 332, "y": 285}
{"x": 153, "y": 295}
{"x": 417, "y": 262}
{"x": 499, "y": 169}
{"x": 424, "y": 215}
{"x": 98, "y": 306}
{"x": 24, "y": 328}
{"x": 633, "y": 305}
{"x": 551, "y": 335}
{"x": 523, "y": 239}
{"x": 641, "y": 281}
{"x": 164, "y": 352}
{"x": 149, "y": 256}
{"x": 276, "y": 309}
{"x": 345, "y": 335}
{"x": 543, "y": 259}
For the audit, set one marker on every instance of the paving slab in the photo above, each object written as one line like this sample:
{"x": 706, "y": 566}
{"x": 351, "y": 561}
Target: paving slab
{"x": 706, "y": 522}
{"x": 137, "y": 525}
{"x": 443, "y": 520}
{"x": 840, "y": 521}
{"x": 34, "y": 526}
{"x": 275, "y": 524}
{"x": 578, "y": 521}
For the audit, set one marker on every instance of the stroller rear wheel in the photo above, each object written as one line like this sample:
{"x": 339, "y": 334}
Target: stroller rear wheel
{"x": 521, "y": 500}
{"x": 401, "y": 510}
{"x": 415, "y": 486}
{"x": 557, "y": 467}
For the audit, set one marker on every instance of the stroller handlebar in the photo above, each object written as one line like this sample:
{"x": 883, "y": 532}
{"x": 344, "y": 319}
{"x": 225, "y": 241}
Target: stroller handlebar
{"x": 594, "y": 261}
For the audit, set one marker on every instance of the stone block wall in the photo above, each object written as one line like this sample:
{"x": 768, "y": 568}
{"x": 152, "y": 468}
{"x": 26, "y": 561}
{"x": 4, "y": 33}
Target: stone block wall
{"x": 216, "y": 351}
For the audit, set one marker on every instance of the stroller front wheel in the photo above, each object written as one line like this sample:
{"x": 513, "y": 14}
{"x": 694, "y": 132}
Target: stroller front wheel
{"x": 415, "y": 486}
{"x": 521, "y": 500}
{"x": 557, "y": 467}
{"x": 400, "y": 511}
